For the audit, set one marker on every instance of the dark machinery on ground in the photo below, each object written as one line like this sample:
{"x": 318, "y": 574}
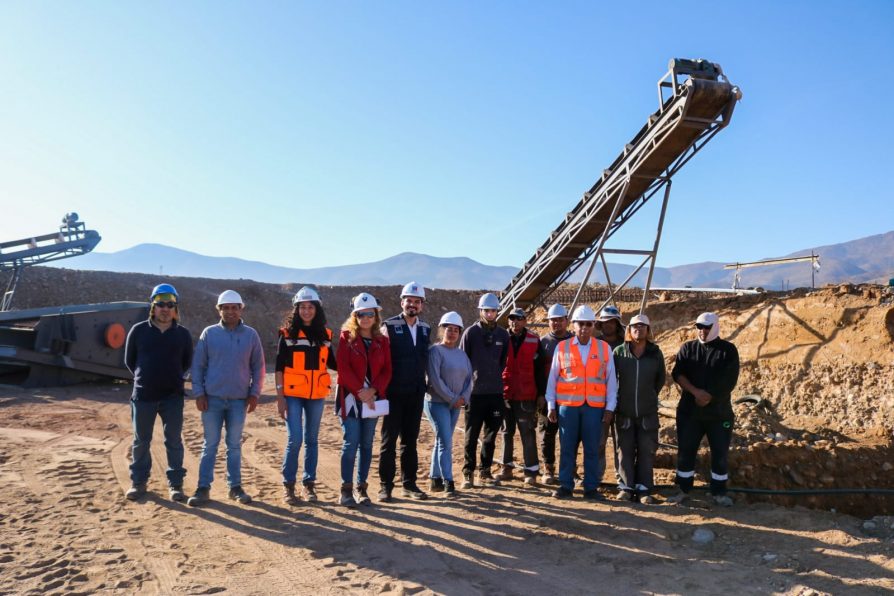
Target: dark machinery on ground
{"x": 63, "y": 344}
{"x": 695, "y": 102}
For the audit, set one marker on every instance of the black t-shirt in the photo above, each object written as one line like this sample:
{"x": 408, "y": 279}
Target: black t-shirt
{"x": 714, "y": 367}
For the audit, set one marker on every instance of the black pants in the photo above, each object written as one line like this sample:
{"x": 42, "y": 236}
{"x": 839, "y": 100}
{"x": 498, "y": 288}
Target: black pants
{"x": 637, "y": 444}
{"x": 546, "y": 437}
{"x": 521, "y": 415}
{"x": 402, "y": 421}
{"x": 484, "y": 410}
{"x": 690, "y": 431}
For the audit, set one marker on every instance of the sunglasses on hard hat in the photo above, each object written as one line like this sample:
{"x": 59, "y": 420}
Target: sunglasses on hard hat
{"x": 702, "y": 326}
{"x": 164, "y": 304}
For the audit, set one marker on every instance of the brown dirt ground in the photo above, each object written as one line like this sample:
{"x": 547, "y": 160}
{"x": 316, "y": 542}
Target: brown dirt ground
{"x": 821, "y": 361}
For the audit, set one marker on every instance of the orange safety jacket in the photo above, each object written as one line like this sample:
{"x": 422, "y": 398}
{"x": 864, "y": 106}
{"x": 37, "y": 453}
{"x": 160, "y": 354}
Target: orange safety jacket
{"x": 304, "y": 378}
{"x": 580, "y": 383}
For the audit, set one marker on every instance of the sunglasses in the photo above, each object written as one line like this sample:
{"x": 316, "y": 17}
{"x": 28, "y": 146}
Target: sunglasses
{"x": 517, "y": 318}
{"x": 365, "y": 315}
{"x": 164, "y": 304}
{"x": 585, "y": 323}
{"x": 702, "y": 327}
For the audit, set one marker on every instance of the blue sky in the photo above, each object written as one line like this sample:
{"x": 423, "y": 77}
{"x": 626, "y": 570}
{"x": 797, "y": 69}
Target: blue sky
{"x": 319, "y": 134}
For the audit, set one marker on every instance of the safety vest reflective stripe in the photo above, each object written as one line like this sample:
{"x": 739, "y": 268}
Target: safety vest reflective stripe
{"x": 582, "y": 382}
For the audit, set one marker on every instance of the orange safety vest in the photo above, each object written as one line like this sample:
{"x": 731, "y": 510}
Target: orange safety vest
{"x": 580, "y": 383}
{"x": 303, "y": 378}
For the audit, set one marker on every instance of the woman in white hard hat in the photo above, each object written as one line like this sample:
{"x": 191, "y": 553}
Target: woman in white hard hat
{"x": 303, "y": 383}
{"x": 364, "y": 371}
{"x": 639, "y": 364}
{"x": 449, "y": 389}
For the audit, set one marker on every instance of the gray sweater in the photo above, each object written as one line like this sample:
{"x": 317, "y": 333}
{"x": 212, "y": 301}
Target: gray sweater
{"x": 449, "y": 375}
{"x": 228, "y": 363}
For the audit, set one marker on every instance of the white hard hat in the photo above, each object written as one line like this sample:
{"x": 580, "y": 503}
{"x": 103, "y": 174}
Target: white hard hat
{"x": 583, "y": 313}
{"x": 556, "y": 311}
{"x": 306, "y": 294}
{"x": 706, "y": 318}
{"x": 610, "y": 312}
{"x": 488, "y": 301}
{"x": 364, "y": 301}
{"x": 413, "y": 289}
{"x": 640, "y": 319}
{"x": 451, "y": 318}
{"x": 229, "y": 297}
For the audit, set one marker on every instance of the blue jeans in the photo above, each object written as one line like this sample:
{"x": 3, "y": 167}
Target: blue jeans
{"x": 580, "y": 423}
{"x": 302, "y": 423}
{"x": 222, "y": 412}
{"x": 443, "y": 420}
{"x": 359, "y": 434}
{"x": 143, "y": 414}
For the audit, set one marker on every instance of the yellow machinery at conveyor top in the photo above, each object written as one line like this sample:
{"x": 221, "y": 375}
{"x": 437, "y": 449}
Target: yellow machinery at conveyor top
{"x": 696, "y": 101}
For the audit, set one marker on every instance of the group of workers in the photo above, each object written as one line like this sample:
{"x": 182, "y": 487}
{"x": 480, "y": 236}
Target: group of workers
{"x": 583, "y": 383}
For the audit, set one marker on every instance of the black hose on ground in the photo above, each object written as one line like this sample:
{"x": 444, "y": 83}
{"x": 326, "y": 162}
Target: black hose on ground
{"x": 795, "y": 492}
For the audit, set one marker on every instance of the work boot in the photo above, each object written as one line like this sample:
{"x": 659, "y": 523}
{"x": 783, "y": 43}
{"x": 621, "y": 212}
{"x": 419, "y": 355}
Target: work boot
{"x": 360, "y": 494}
{"x": 677, "y": 498}
{"x": 449, "y": 489}
{"x": 488, "y": 479}
{"x": 412, "y": 491}
{"x": 310, "y": 494}
{"x": 136, "y": 491}
{"x": 176, "y": 493}
{"x": 436, "y": 485}
{"x": 563, "y": 493}
{"x": 346, "y": 497}
{"x": 593, "y": 495}
{"x": 467, "y": 483}
{"x": 530, "y": 482}
{"x": 288, "y": 493}
{"x": 385, "y": 493}
{"x": 549, "y": 476}
{"x": 624, "y": 495}
{"x": 237, "y": 494}
{"x": 505, "y": 473}
{"x": 647, "y": 500}
{"x": 202, "y": 496}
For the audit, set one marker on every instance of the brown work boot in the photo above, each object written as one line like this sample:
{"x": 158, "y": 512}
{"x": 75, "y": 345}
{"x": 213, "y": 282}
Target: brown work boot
{"x": 549, "y": 476}
{"x": 346, "y": 497}
{"x": 360, "y": 494}
{"x": 310, "y": 494}
{"x": 505, "y": 472}
{"x": 288, "y": 493}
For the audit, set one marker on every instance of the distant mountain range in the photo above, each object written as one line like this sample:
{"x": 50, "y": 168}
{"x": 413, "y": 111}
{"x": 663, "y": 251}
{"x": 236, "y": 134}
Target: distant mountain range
{"x": 869, "y": 259}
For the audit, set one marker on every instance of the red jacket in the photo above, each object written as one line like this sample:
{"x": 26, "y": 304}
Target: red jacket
{"x": 352, "y": 364}
{"x": 519, "y": 382}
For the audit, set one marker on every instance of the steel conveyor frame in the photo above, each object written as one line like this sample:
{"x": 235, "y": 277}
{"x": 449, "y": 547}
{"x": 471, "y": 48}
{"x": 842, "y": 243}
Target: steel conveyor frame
{"x": 693, "y": 112}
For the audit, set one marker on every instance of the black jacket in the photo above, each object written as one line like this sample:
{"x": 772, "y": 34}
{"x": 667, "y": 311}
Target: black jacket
{"x": 714, "y": 367}
{"x": 158, "y": 361}
{"x": 639, "y": 380}
{"x": 408, "y": 361}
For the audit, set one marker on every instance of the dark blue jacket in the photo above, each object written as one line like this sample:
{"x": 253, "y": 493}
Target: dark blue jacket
{"x": 408, "y": 361}
{"x": 158, "y": 361}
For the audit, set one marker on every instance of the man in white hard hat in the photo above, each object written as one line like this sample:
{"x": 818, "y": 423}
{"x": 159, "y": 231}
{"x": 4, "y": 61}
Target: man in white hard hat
{"x": 581, "y": 393}
{"x": 707, "y": 370}
{"x": 227, "y": 378}
{"x": 486, "y": 344}
{"x": 408, "y": 336}
{"x": 611, "y": 330}
{"x": 546, "y": 430}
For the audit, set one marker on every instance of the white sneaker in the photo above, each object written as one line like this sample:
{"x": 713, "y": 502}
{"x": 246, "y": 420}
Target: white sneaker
{"x": 723, "y": 501}
{"x": 677, "y": 498}
{"x": 530, "y": 482}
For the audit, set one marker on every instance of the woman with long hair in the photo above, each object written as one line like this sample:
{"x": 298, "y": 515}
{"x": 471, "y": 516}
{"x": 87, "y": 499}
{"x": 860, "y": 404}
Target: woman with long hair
{"x": 303, "y": 383}
{"x": 449, "y": 389}
{"x": 639, "y": 364}
{"x": 364, "y": 371}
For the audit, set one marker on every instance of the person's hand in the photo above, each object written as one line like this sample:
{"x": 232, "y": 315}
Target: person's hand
{"x": 702, "y": 397}
{"x": 608, "y": 418}
{"x": 541, "y": 402}
{"x": 460, "y": 402}
{"x": 251, "y": 403}
{"x": 202, "y": 403}
{"x": 552, "y": 416}
{"x": 281, "y": 406}
{"x": 367, "y": 395}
